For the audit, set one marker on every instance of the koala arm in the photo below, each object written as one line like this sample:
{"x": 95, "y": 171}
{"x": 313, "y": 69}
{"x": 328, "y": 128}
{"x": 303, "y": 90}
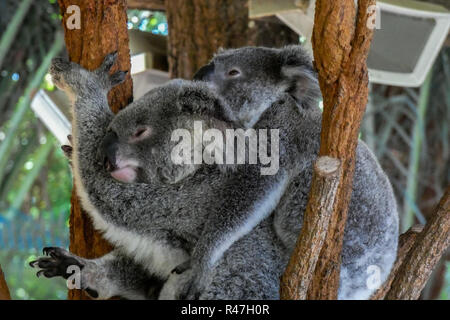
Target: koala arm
{"x": 111, "y": 275}
{"x": 248, "y": 198}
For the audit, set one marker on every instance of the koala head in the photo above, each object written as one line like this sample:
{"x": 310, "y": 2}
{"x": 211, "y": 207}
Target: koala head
{"x": 250, "y": 79}
{"x": 138, "y": 143}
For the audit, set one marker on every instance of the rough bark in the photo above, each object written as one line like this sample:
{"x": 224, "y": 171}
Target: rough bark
{"x": 298, "y": 274}
{"x": 4, "y": 291}
{"x": 405, "y": 244}
{"x": 420, "y": 261}
{"x": 340, "y": 52}
{"x": 198, "y": 28}
{"x": 103, "y": 30}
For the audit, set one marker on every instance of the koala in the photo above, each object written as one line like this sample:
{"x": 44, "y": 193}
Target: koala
{"x": 248, "y": 80}
{"x": 143, "y": 202}
{"x": 251, "y": 85}
{"x": 302, "y": 140}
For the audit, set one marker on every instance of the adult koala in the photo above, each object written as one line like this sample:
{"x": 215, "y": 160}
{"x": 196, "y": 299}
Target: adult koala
{"x": 152, "y": 209}
{"x": 248, "y": 80}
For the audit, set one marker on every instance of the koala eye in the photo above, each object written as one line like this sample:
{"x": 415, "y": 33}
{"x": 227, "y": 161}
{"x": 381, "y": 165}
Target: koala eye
{"x": 234, "y": 73}
{"x": 141, "y": 133}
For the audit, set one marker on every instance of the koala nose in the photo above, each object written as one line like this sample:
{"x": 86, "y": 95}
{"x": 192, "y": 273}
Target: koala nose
{"x": 109, "y": 149}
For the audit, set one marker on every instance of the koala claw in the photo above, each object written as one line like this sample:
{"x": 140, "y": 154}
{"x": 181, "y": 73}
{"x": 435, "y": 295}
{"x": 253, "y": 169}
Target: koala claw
{"x": 67, "y": 151}
{"x": 55, "y": 263}
{"x": 109, "y": 61}
{"x": 106, "y": 66}
{"x": 118, "y": 77}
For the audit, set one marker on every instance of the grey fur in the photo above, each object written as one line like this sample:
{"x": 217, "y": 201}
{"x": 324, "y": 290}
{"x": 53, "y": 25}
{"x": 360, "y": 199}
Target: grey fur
{"x": 288, "y": 76}
{"x": 372, "y": 228}
{"x": 154, "y": 223}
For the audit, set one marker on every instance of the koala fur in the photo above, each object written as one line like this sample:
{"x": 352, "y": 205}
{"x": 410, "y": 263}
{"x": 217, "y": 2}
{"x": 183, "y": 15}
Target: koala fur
{"x": 371, "y": 235}
{"x": 280, "y": 75}
{"x": 158, "y": 223}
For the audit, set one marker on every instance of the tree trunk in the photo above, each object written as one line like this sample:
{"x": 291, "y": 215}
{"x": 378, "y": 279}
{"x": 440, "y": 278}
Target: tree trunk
{"x": 340, "y": 52}
{"x": 4, "y": 291}
{"x": 340, "y": 49}
{"x": 198, "y": 28}
{"x": 103, "y": 30}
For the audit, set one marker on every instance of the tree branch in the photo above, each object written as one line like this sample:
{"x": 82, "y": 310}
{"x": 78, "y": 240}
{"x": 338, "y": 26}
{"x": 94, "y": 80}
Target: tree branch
{"x": 4, "y": 291}
{"x": 405, "y": 244}
{"x": 298, "y": 274}
{"x": 340, "y": 53}
{"x": 424, "y": 255}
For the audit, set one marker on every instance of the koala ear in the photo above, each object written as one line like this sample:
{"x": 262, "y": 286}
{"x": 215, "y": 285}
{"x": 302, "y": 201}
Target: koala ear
{"x": 205, "y": 72}
{"x": 298, "y": 72}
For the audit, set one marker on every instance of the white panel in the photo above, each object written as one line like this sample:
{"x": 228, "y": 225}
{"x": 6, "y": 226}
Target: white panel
{"x": 50, "y": 115}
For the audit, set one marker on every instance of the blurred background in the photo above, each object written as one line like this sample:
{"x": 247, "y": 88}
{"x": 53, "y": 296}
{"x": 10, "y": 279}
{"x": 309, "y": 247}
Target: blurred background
{"x": 407, "y": 121}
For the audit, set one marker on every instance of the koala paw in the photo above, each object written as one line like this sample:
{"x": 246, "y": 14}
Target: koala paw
{"x": 194, "y": 285}
{"x": 103, "y": 71}
{"x": 66, "y": 74}
{"x": 191, "y": 290}
{"x": 59, "y": 68}
{"x": 55, "y": 263}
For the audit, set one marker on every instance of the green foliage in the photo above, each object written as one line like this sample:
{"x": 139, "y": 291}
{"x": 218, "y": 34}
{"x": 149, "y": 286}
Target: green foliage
{"x": 150, "y": 21}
